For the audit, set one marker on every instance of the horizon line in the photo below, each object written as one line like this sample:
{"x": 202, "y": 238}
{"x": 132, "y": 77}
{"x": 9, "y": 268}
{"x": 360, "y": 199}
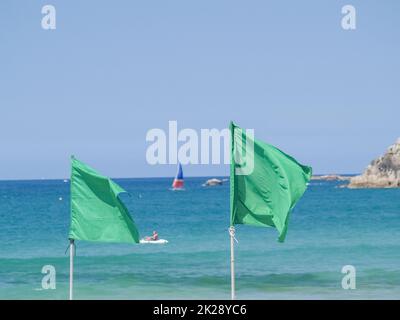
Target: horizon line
{"x": 157, "y": 177}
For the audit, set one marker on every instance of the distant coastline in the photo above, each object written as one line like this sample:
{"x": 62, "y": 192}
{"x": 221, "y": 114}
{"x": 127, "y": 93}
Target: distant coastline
{"x": 333, "y": 177}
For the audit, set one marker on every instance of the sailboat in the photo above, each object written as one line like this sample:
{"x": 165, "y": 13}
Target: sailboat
{"x": 178, "y": 181}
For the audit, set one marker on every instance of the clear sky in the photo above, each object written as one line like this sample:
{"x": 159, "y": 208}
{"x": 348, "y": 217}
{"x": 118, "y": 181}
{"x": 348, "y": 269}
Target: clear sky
{"x": 112, "y": 70}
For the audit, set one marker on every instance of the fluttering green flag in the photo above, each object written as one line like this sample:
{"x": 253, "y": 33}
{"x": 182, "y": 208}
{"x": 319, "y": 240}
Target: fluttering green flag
{"x": 265, "y": 183}
{"x": 97, "y": 213}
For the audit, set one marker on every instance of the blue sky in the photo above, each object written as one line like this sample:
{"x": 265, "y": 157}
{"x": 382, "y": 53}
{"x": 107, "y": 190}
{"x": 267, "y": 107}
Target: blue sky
{"x": 112, "y": 70}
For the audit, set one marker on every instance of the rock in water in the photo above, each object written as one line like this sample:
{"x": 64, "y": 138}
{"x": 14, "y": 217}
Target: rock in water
{"x": 383, "y": 172}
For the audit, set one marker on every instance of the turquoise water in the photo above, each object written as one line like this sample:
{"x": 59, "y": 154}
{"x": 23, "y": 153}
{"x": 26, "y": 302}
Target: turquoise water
{"x": 330, "y": 227}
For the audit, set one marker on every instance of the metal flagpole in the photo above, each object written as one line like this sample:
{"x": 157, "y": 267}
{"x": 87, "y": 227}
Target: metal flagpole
{"x": 232, "y": 234}
{"x": 71, "y": 267}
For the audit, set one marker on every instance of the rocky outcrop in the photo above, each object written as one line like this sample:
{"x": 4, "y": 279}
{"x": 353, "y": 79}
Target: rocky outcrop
{"x": 383, "y": 172}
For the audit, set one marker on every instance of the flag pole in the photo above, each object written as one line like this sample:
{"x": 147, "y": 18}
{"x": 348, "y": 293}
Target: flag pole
{"x": 232, "y": 235}
{"x": 71, "y": 267}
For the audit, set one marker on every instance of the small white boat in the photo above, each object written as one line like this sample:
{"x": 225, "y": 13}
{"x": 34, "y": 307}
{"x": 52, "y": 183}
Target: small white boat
{"x": 160, "y": 241}
{"x": 212, "y": 182}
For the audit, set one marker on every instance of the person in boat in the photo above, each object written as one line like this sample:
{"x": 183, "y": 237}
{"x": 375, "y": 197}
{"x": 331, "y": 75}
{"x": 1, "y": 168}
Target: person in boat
{"x": 154, "y": 237}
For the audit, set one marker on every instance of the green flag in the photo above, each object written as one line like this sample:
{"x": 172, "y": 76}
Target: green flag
{"x": 97, "y": 213}
{"x": 265, "y": 183}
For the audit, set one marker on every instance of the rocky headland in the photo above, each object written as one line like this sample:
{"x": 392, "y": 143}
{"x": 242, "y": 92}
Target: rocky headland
{"x": 383, "y": 172}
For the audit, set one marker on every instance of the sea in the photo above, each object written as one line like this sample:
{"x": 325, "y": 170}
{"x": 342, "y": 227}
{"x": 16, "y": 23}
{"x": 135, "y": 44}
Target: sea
{"x": 341, "y": 244}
